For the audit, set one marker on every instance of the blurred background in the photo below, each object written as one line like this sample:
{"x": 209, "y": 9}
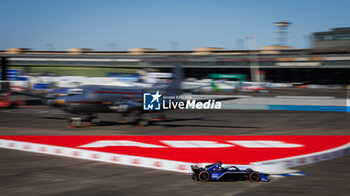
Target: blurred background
{"x": 226, "y": 46}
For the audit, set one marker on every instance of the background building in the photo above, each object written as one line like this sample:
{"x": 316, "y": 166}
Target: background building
{"x": 338, "y": 38}
{"x": 328, "y": 62}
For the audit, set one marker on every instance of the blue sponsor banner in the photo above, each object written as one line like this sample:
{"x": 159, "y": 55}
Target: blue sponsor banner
{"x": 309, "y": 108}
{"x": 11, "y": 74}
{"x": 227, "y": 106}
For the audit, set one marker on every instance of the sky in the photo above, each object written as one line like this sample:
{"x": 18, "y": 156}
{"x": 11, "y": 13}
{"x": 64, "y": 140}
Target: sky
{"x": 163, "y": 24}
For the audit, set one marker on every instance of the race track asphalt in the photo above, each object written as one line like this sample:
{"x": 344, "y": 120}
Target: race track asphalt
{"x": 37, "y": 174}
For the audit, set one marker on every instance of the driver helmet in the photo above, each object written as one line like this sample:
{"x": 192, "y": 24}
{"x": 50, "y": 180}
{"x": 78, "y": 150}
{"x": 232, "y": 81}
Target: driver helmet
{"x": 219, "y": 164}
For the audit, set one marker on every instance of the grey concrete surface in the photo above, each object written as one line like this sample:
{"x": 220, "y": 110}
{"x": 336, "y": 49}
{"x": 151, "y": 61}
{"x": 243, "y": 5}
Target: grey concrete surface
{"x": 31, "y": 121}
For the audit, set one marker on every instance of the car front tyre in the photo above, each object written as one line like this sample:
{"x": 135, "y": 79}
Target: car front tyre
{"x": 254, "y": 177}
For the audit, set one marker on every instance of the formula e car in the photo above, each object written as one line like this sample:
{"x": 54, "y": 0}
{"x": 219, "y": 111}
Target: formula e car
{"x": 216, "y": 171}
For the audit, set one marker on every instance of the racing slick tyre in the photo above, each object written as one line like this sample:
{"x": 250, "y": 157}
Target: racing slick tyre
{"x": 76, "y": 122}
{"x": 143, "y": 122}
{"x": 254, "y": 177}
{"x": 94, "y": 120}
{"x": 195, "y": 177}
{"x": 204, "y": 176}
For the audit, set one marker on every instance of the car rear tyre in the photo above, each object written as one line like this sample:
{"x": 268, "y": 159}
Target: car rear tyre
{"x": 204, "y": 176}
{"x": 254, "y": 177}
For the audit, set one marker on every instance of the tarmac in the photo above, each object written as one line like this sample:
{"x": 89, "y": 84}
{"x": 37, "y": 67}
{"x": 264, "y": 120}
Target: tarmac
{"x": 37, "y": 174}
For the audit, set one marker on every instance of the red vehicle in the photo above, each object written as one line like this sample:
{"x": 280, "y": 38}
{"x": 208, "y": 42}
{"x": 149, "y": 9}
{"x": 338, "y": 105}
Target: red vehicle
{"x": 5, "y": 102}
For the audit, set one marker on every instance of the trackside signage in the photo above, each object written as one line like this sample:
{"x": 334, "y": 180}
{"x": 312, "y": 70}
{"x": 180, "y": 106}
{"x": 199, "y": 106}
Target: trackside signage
{"x": 190, "y": 149}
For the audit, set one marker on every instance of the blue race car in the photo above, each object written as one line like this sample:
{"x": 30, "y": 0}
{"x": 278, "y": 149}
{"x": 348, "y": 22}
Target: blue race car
{"x": 216, "y": 171}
